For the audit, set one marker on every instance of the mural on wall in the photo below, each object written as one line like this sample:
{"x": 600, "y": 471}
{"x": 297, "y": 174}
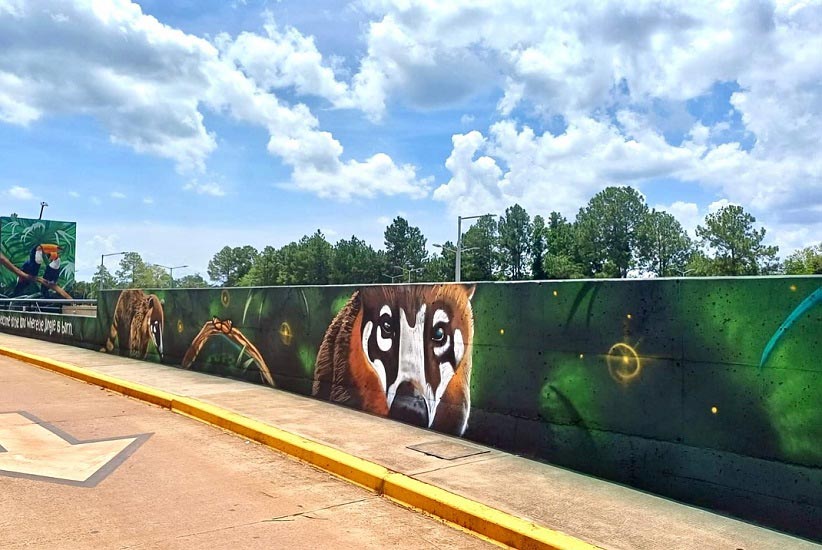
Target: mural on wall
{"x": 138, "y": 320}
{"x": 225, "y": 328}
{"x": 726, "y": 364}
{"x": 402, "y": 352}
{"x": 37, "y": 258}
{"x": 666, "y": 385}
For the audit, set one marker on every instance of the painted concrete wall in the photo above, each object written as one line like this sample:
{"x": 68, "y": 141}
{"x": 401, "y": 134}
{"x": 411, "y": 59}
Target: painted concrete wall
{"x": 705, "y": 390}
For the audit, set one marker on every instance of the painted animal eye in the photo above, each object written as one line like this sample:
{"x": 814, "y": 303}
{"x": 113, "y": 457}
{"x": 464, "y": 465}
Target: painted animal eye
{"x": 386, "y": 326}
{"x": 438, "y": 335}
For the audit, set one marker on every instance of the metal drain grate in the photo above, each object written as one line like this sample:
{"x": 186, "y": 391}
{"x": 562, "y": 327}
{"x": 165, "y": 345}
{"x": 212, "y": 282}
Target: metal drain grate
{"x": 447, "y": 450}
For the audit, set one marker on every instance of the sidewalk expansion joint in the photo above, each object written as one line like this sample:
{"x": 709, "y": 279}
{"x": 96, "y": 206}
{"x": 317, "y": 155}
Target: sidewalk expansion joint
{"x": 304, "y": 513}
{"x": 472, "y": 516}
{"x": 451, "y": 466}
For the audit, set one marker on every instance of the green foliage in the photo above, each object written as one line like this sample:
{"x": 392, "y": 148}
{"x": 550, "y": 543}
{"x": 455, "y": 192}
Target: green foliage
{"x": 612, "y": 235}
{"x": 134, "y": 272}
{"x": 561, "y": 260}
{"x": 480, "y": 264}
{"x": 191, "y": 281}
{"x": 607, "y": 231}
{"x": 698, "y": 265}
{"x": 265, "y": 271}
{"x": 514, "y": 242}
{"x": 559, "y": 266}
{"x": 311, "y": 263}
{"x": 102, "y": 275}
{"x": 355, "y": 261}
{"x": 736, "y": 245}
{"x": 807, "y": 261}
{"x": 664, "y": 247}
{"x": 229, "y": 265}
{"x": 539, "y": 245}
{"x": 19, "y": 235}
{"x": 83, "y": 290}
{"x": 404, "y": 245}
{"x": 440, "y": 267}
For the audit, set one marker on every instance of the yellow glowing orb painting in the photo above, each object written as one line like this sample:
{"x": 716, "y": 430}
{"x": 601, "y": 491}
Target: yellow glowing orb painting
{"x": 285, "y": 334}
{"x": 623, "y": 363}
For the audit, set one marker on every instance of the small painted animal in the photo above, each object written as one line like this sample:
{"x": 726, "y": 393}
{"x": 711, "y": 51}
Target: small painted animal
{"x": 138, "y": 319}
{"x": 402, "y": 352}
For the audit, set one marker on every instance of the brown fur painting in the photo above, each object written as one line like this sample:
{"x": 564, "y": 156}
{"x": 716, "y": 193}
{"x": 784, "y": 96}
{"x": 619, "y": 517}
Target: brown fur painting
{"x": 402, "y": 352}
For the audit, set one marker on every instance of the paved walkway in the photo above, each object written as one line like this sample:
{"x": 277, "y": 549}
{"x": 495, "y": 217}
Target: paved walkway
{"x": 601, "y": 513}
{"x": 180, "y": 484}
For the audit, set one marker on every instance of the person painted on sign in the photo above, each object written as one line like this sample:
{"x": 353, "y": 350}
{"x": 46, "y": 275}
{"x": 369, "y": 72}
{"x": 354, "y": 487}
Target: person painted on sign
{"x": 52, "y": 273}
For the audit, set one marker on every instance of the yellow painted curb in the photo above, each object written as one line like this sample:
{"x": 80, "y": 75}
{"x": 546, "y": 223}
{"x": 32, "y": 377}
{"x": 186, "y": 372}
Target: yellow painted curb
{"x": 132, "y": 389}
{"x": 474, "y": 516}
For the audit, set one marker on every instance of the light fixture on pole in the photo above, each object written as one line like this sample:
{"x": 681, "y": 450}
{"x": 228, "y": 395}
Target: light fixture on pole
{"x": 392, "y": 277}
{"x": 408, "y": 270}
{"x": 171, "y": 271}
{"x": 459, "y": 249}
{"x": 42, "y": 206}
{"x": 102, "y": 264}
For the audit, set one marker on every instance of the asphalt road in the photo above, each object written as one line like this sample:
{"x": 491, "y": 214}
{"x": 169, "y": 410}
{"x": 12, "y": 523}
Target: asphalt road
{"x": 178, "y": 484}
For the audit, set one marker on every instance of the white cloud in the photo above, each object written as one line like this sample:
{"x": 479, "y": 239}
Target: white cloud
{"x": 687, "y": 213}
{"x": 207, "y": 188}
{"x": 105, "y": 243}
{"x": 18, "y": 192}
{"x": 148, "y": 200}
{"x": 580, "y": 61}
{"x": 284, "y": 58}
{"x": 74, "y": 194}
{"x": 117, "y": 195}
{"x": 718, "y": 205}
{"x": 148, "y": 84}
{"x": 554, "y": 172}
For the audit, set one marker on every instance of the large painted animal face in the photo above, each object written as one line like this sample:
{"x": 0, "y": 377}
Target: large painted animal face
{"x": 417, "y": 342}
{"x": 156, "y": 320}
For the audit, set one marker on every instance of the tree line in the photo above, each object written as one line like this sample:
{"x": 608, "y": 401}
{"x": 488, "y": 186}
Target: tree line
{"x": 615, "y": 235}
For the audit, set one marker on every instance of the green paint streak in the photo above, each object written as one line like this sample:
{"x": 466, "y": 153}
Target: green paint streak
{"x": 339, "y": 303}
{"x": 308, "y": 357}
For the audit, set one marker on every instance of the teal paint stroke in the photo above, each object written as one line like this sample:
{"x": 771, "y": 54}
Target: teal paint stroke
{"x": 806, "y": 304}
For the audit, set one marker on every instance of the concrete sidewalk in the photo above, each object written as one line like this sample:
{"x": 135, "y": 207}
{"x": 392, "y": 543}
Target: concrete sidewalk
{"x": 598, "y": 512}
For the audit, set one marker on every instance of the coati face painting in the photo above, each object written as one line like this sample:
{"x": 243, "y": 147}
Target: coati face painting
{"x": 156, "y": 319}
{"x": 416, "y": 339}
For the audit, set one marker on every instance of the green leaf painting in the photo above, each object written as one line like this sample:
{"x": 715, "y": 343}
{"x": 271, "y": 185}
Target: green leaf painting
{"x": 19, "y": 236}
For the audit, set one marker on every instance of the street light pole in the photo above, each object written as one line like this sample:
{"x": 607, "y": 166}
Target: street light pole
{"x": 102, "y": 264}
{"x": 42, "y": 206}
{"x": 171, "y": 271}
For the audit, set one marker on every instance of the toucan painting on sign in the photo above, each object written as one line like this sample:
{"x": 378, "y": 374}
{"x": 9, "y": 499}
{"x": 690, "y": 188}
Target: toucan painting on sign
{"x": 36, "y": 257}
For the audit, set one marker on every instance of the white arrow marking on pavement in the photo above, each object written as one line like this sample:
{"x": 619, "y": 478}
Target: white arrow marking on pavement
{"x": 34, "y": 450}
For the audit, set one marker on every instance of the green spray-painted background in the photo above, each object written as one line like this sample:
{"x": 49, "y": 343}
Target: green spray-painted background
{"x": 706, "y": 390}
{"x": 543, "y": 351}
{"x": 19, "y": 235}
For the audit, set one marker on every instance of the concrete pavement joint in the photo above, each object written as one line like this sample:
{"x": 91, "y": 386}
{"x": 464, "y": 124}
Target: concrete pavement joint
{"x": 411, "y": 493}
{"x": 451, "y": 466}
{"x": 304, "y": 512}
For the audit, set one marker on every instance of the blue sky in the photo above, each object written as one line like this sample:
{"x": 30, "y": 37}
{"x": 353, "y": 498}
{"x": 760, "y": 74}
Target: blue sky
{"x": 174, "y": 128}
